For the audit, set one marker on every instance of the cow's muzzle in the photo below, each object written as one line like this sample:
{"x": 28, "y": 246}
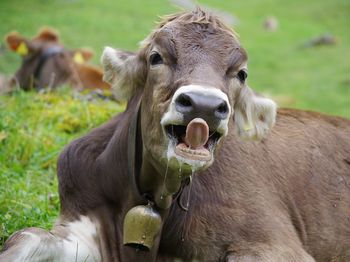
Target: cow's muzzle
{"x": 196, "y": 119}
{"x": 210, "y": 108}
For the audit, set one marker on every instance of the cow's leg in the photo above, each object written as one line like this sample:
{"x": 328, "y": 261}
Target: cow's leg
{"x": 67, "y": 241}
{"x": 31, "y": 244}
{"x": 268, "y": 253}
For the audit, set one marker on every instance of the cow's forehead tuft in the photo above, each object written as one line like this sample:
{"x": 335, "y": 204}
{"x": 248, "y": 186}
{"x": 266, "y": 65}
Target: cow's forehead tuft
{"x": 199, "y": 16}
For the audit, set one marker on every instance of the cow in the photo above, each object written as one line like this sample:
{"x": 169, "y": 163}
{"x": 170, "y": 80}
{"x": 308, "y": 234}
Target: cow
{"x": 46, "y": 63}
{"x": 190, "y": 171}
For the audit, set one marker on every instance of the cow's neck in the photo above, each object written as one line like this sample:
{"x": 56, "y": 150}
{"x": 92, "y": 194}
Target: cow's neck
{"x": 119, "y": 184}
{"x": 147, "y": 185}
{"x": 145, "y": 179}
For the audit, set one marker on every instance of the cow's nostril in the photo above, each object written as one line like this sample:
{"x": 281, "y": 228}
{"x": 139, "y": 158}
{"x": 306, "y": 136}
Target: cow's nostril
{"x": 222, "y": 108}
{"x": 183, "y": 100}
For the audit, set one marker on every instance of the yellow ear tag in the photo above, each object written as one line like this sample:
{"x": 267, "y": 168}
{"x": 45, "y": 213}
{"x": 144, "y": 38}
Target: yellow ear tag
{"x": 78, "y": 58}
{"x": 22, "y": 49}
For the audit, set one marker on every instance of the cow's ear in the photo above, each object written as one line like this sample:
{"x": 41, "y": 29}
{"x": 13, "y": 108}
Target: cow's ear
{"x": 124, "y": 71}
{"x": 47, "y": 34}
{"x": 18, "y": 43}
{"x": 82, "y": 55}
{"x": 254, "y": 115}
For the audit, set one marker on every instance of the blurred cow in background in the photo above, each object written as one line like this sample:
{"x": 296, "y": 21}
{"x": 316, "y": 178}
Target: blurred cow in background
{"x": 46, "y": 63}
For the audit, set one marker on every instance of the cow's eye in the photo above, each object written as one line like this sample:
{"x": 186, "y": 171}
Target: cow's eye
{"x": 155, "y": 59}
{"x": 242, "y": 75}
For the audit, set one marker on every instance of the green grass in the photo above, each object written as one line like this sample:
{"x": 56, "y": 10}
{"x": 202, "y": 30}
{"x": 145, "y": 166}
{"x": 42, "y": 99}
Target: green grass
{"x": 33, "y": 130}
{"x": 81, "y": 23}
{"x": 314, "y": 78}
{"x": 35, "y": 127}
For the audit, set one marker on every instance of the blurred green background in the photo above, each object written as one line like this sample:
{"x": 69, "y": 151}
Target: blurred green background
{"x": 316, "y": 78}
{"x": 35, "y": 127}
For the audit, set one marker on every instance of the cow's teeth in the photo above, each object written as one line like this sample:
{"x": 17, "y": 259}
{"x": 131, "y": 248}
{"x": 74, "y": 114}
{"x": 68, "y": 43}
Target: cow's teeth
{"x": 193, "y": 151}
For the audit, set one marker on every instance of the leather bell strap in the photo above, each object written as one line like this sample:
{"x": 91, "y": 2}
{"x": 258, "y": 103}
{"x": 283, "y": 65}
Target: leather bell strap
{"x": 135, "y": 158}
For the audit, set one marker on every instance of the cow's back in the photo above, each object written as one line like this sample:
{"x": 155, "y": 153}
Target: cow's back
{"x": 312, "y": 157}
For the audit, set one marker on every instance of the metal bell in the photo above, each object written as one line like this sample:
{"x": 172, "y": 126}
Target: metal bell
{"x": 141, "y": 225}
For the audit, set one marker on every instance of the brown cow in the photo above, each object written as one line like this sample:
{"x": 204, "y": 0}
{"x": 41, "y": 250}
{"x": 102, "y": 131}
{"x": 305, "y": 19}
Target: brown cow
{"x": 286, "y": 198}
{"x": 47, "y": 63}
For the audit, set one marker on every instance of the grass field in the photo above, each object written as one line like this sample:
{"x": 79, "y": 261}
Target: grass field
{"x": 35, "y": 127}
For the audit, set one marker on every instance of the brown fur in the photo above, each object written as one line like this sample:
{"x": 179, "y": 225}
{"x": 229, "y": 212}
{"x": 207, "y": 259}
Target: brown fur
{"x": 277, "y": 200}
{"x": 285, "y": 198}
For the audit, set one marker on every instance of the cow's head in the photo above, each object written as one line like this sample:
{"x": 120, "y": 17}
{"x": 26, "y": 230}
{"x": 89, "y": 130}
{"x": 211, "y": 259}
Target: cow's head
{"x": 45, "y": 62}
{"x": 192, "y": 72}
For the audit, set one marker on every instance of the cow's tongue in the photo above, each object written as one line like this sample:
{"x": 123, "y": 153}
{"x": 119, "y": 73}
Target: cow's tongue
{"x": 197, "y": 133}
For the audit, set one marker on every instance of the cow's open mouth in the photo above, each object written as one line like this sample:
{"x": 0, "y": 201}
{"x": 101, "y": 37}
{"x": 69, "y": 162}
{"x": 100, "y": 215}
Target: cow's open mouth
{"x": 194, "y": 141}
